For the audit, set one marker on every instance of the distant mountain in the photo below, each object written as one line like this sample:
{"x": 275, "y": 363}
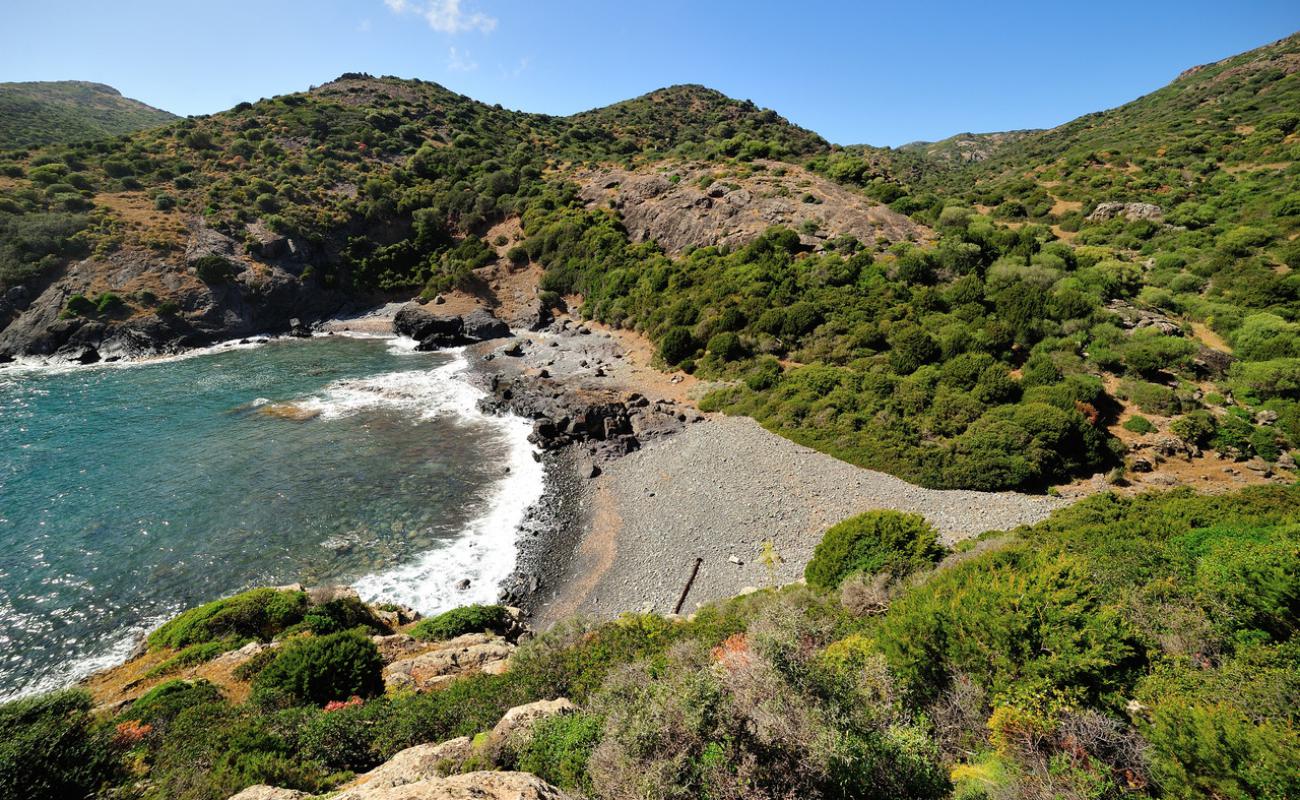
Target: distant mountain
{"x": 54, "y": 112}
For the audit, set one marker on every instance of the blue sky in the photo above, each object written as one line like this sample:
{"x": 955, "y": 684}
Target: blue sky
{"x": 883, "y": 73}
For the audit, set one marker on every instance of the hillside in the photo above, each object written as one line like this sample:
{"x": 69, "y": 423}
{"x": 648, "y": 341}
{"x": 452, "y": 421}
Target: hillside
{"x": 52, "y": 112}
{"x": 1124, "y": 648}
{"x": 1107, "y": 312}
{"x": 1116, "y": 296}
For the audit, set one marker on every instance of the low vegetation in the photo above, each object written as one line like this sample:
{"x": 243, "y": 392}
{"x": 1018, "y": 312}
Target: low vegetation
{"x": 1127, "y": 647}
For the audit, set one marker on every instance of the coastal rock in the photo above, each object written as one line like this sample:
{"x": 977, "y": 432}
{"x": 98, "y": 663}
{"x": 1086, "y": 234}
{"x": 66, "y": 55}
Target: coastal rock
{"x": 518, "y": 721}
{"x": 434, "y": 331}
{"x": 269, "y": 793}
{"x": 465, "y": 654}
{"x": 419, "y": 763}
{"x": 470, "y": 786}
{"x": 602, "y": 420}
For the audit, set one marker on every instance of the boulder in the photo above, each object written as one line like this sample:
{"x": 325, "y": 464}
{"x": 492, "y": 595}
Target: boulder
{"x": 434, "y": 331}
{"x": 269, "y": 793}
{"x": 481, "y": 326}
{"x": 414, "y": 764}
{"x": 463, "y": 655}
{"x": 470, "y": 786}
{"x": 518, "y": 721}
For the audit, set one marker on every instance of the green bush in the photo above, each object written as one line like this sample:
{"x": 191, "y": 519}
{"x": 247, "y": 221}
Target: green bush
{"x": 1194, "y": 428}
{"x": 318, "y": 669}
{"x": 163, "y": 703}
{"x": 50, "y": 747}
{"x": 877, "y": 541}
{"x": 676, "y": 346}
{"x": 1217, "y": 751}
{"x": 559, "y": 748}
{"x": 1139, "y": 424}
{"x": 255, "y": 614}
{"x": 459, "y": 621}
{"x": 214, "y": 270}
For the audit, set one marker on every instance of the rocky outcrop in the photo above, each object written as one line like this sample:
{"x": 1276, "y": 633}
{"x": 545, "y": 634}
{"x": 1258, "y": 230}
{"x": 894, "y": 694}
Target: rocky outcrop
{"x": 518, "y": 722}
{"x": 1129, "y": 211}
{"x": 427, "y": 771}
{"x": 1131, "y": 317}
{"x": 434, "y": 331}
{"x": 681, "y": 206}
{"x": 608, "y": 423}
{"x": 470, "y": 786}
{"x": 446, "y": 661}
{"x": 269, "y": 793}
{"x": 414, "y": 764}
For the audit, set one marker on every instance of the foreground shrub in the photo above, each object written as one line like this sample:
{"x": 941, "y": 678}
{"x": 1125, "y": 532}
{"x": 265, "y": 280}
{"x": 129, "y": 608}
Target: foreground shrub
{"x": 877, "y": 541}
{"x": 460, "y": 621}
{"x": 559, "y": 748}
{"x": 50, "y": 747}
{"x": 255, "y": 614}
{"x": 318, "y": 669}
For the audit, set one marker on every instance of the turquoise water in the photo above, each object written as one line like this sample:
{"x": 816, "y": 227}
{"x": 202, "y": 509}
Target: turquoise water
{"x": 130, "y": 492}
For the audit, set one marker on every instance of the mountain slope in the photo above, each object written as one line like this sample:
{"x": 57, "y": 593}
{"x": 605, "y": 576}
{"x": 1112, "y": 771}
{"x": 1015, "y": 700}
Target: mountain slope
{"x": 1007, "y": 335}
{"x": 48, "y": 112}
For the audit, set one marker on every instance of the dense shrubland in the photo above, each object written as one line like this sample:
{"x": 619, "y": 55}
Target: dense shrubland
{"x": 979, "y": 360}
{"x": 1126, "y": 647}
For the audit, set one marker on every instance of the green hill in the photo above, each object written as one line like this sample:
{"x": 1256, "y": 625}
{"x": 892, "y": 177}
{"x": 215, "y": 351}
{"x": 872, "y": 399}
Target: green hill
{"x": 49, "y": 112}
{"x": 989, "y": 348}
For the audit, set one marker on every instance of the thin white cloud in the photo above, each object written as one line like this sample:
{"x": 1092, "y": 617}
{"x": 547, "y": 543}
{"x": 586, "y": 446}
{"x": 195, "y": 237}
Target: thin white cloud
{"x": 444, "y": 16}
{"x": 460, "y": 61}
{"x": 518, "y": 70}
{"x": 364, "y": 26}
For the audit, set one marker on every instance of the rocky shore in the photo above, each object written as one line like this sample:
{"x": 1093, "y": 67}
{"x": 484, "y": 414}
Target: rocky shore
{"x": 641, "y": 484}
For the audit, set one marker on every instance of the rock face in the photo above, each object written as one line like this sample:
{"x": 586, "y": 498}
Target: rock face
{"x": 1131, "y": 317}
{"x": 414, "y": 764}
{"x": 690, "y": 211}
{"x": 259, "y": 297}
{"x": 518, "y": 721}
{"x": 1129, "y": 211}
{"x": 435, "y": 331}
{"x": 269, "y": 793}
{"x": 446, "y": 661}
{"x": 470, "y": 786}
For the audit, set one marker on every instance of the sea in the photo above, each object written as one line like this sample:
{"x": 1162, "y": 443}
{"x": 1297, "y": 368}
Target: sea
{"x": 132, "y": 491}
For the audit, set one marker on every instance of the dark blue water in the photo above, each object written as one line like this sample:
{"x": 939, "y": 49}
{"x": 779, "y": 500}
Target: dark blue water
{"x": 130, "y": 492}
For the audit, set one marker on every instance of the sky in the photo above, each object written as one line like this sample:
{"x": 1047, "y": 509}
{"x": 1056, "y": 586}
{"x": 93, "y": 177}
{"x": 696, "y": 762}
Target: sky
{"x": 883, "y": 73}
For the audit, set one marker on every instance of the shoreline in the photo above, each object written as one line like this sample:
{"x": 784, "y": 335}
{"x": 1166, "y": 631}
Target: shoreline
{"x": 611, "y": 434}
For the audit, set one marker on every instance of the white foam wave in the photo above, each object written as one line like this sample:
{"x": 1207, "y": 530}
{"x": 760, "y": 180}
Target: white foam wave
{"x": 486, "y": 551}
{"x": 426, "y": 394}
{"x": 70, "y": 672}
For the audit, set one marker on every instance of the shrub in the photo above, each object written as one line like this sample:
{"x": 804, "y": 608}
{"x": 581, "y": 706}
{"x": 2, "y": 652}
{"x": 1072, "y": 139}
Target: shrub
{"x": 1216, "y": 751}
{"x": 255, "y": 614}
{"x": 1194, "y": 428}
{"x": 676, "y": 345}
{"x": 1139, "y": 424}
{"x": 318, "y": 669}
{"x": 50, "y": 747}
{"x": 214, "y": 270}
{"x": 459, "y": 621}
{"x": 726, "y": 346}
{"x": 559, "y": 748}
{"x": 164, "y": 702}
{"x": 517, "y": 255}
{"x": 877, "y": 541}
